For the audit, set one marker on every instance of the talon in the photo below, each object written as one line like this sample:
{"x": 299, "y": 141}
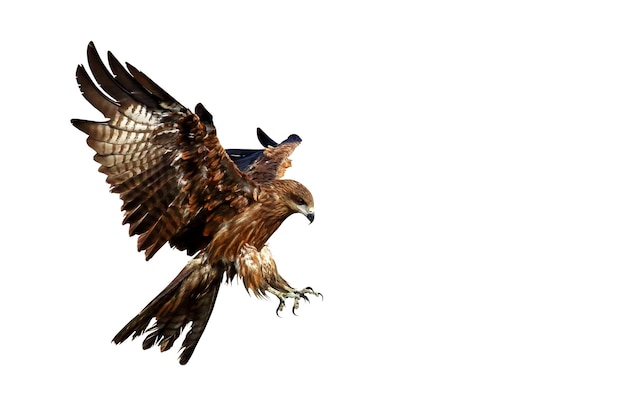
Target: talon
{"x": 281, "y": 305}
{"x": 295, "y": 294}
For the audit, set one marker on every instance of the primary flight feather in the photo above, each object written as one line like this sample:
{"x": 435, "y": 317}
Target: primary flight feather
{"x": 180, "y": 186}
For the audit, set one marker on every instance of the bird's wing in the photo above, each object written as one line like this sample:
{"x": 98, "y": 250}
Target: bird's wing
{"x": 270, "y": 163}
{"x": 165, "y": 162}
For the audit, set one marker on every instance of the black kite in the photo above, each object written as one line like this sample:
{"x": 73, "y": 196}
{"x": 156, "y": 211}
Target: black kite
{"x": 179, "y": 186}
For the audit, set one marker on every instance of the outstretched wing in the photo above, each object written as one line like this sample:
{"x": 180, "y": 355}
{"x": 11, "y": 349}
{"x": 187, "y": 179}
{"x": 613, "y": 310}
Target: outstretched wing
{"x": 176, "y": 181}
{"x": 264, "y": 165}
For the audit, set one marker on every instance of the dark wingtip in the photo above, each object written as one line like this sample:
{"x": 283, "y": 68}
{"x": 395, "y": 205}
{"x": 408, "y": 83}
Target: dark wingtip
{"x": 292, "y": 138}
{"x": 267, "y": 141}
{"x": 91, "y": 49}
{"x": 264, "y": 139}
{"x": 204, "y": 114}
{"x": 82, "y": 125}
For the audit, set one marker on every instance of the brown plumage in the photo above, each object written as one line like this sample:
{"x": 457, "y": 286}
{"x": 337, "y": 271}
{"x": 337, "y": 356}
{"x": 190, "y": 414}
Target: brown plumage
{"x": 179, "y": 186}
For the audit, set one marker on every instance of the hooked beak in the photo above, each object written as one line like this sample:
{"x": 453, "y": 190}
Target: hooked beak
{"x": 310, "y": 216}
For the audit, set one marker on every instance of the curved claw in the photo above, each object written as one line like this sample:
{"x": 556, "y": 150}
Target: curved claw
{"x": 281, "y": 305}
{"x": 310, "y": 290}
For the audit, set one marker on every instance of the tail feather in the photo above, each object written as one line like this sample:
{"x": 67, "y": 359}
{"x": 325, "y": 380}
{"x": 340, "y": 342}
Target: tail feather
{"x": 189, "y": 298}
{"x": 204, "y": 309}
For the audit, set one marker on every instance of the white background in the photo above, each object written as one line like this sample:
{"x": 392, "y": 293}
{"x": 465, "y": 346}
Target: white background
{"x": 467, "y": 160}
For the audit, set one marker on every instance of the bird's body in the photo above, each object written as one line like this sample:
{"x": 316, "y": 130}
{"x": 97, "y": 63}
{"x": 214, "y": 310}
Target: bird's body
{"x": 180, "y": 186}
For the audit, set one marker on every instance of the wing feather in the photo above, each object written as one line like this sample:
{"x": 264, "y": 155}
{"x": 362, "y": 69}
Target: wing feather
{"x": 103, "y": 77}
{"x": 124, "y": 79}
{"x": 150, "y": 85}
{"x": 93, "y": 95}
{"x": 264, "y": 165}
{"x": 164, "y": 161}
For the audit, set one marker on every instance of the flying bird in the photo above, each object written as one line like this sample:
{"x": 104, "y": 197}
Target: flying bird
{"x": 180, "y": 186}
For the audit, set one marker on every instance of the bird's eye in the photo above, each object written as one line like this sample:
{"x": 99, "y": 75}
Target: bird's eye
{"x": 300, "y": 201}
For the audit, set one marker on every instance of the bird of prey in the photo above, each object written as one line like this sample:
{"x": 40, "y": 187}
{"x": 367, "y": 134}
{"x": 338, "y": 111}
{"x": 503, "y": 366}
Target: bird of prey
{"x": 180, "y": 186}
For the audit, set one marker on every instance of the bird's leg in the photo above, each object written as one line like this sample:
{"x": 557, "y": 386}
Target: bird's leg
{"x": 260, "y": 275}
{"x": 289, "y": 292}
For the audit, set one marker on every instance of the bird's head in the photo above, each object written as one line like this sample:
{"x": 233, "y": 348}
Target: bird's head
{"x": 298, "y": 198}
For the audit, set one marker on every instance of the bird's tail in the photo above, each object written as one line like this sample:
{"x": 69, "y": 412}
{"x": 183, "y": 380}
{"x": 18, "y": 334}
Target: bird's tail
{"x": 190, "y": 297}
